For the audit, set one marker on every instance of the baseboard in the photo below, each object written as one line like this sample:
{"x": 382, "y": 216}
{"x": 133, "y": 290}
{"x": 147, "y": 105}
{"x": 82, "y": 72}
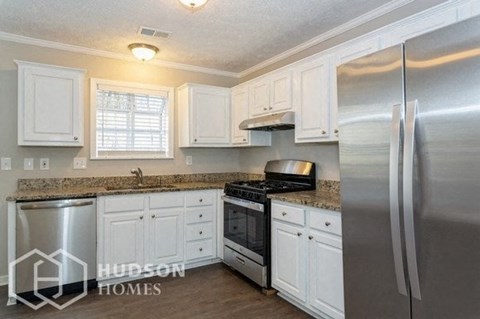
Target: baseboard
{"x": 4, "y": 280}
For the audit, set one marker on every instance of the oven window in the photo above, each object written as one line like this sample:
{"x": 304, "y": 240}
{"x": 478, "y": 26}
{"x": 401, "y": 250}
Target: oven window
{"x": 245, "y": 227}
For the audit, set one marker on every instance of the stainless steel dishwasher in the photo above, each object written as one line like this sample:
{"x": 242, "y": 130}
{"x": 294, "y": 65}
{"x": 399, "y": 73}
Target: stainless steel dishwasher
{"x": 48, "y": 226}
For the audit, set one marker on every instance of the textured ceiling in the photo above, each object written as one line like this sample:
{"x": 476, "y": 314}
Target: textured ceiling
{"x": 229, "y": 35}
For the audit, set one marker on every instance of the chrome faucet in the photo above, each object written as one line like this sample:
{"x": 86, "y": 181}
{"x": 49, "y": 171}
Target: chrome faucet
{"x": 138, "y": 172}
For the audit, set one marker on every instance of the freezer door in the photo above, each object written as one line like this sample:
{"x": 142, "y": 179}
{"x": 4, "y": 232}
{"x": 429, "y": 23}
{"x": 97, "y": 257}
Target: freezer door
{"x": 370, "y": 95}
{"x": 443, "y": 81}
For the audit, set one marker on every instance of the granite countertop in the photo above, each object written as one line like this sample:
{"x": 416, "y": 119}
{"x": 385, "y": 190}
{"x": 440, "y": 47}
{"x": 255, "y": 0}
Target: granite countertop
{"x": 79, "y": 192}
{"x": 324, "y": 199}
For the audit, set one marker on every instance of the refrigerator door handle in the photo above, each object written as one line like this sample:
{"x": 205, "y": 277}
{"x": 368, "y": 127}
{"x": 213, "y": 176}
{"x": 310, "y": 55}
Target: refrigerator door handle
{"x": 397, "y": 127}
{"x": 409, "y": 222}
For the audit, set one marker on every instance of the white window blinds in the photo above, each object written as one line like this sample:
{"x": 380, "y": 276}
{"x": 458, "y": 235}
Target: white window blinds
{"x": 132, "y": 122}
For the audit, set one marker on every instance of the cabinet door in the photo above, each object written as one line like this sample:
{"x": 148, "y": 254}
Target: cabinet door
{"x": 166, "y": 236}
{"x": 357, "y": 50}
{"x": 312, "y": 101}
{"x": 281, "y": 88}
{"x": 124, "y": 238}
{"x": 211, "y": 116}
{"x": 260, "y": 97}
{"x": 326, "y": 274}
{"x": 50, "y": 102}
{"x": 289, "y": 259}
{"x": 240, "y": 113}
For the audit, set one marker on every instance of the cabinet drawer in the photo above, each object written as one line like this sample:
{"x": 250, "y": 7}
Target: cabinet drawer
{"x": 199, "y": 215}
{"x": 290, "y": 214}
{"x": 115, "y": 204}
{"x": 200, "y": 199}
{"x": 199, "y": 231}
{"x": 199, "y": 249}
{"x": 327, "y": 221}
{"x": 167, "y": 200}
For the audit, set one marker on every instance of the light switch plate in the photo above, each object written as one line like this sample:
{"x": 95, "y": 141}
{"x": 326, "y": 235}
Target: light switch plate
{"x": 44, "y": 164}
{"x": 189, "y": 160}
{"x": 79, "y": 163}
{"x": 6, "y": 164}
{"x": 28, "y": 164}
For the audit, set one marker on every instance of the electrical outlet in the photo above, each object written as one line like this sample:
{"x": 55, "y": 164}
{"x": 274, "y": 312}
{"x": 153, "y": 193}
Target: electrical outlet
{"x": 6, "y": 164}
{"x": 189, "y": 160}
{"x": 79, "y": 163}
{"x": 28, "y": 164}
{"x": 44, "y": 164}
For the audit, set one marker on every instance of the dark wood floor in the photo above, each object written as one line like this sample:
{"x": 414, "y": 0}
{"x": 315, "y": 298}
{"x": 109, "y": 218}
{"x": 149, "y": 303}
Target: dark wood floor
{"x": 208, "y": 292}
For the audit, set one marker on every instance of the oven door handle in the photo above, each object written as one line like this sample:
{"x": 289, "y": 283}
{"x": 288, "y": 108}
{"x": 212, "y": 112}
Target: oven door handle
{"x": 244, "y": 203}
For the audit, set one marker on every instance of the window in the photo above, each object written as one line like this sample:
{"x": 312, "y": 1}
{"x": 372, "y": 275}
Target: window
{"x": 130, "y": 120}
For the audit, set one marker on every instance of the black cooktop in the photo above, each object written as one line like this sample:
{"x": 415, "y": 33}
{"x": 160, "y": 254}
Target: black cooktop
{"x": 270, "y": 186}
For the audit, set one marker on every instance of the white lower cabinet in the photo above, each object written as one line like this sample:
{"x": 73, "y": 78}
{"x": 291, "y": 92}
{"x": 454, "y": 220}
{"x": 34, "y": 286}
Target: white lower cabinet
{"x": 307, "y": 260}
{"x": 166, "y": 236}
{"x": 123, "y": 239}
{"x": 288, "y": 259}
{"x": 156, "y": 229}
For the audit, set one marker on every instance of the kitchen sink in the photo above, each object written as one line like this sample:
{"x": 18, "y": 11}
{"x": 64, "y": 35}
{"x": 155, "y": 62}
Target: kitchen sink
{"x": 117, "y": 188}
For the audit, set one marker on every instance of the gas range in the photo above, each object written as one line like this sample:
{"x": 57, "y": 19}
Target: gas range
{"x": 256, "y": 190}
{"x": 247, "y": 216}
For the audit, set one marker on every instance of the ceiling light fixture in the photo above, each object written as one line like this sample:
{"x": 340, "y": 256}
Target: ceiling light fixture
{"x": 193, "y": 4}
{"x": 143, "y": 51}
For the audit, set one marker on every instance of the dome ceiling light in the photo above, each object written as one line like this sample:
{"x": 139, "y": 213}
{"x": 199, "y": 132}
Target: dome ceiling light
{"x": 142, "y": 51}
{"x": 193, "y": 4}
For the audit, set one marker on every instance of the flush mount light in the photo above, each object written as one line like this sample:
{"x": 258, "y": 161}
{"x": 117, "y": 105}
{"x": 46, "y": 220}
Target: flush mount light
{"x": 193, "y": 4}
{"x": 143, "y": 51}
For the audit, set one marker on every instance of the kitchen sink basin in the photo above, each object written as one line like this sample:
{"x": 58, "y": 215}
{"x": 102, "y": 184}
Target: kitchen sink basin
{"x": 117, "y": 188}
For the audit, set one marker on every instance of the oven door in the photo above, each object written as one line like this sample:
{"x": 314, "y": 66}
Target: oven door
{"x": 245, "y": 228}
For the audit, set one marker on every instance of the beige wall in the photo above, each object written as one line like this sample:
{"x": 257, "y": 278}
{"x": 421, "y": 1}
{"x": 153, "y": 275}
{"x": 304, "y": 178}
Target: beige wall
{"x": 283, "y": 147}
{"x": 204, "y": 160}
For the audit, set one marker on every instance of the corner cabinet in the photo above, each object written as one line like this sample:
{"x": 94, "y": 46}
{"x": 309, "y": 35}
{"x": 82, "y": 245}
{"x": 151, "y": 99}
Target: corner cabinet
{"x": 307, "y": 259}
{"x": 50, "y": 105}
{"x": 204, "y": 116}
{"x": 240, "y": 111}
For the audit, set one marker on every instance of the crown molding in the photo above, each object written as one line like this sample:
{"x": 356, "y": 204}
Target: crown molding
{"x": 367, "y": 17}
{"x": 107, "y": 54}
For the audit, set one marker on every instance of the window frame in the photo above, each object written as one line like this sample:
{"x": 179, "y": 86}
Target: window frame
{"x": 94, "y": 82}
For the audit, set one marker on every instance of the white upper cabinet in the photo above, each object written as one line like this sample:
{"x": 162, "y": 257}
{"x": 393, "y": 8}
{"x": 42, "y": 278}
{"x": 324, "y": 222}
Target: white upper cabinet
{"x": 50, "y": 105}
{"x": 271, "y": 94}
{"x": 204, "y": 116}
{"x": 240, "y": 112}
{"x": 416, "y": 28}
{"x": 311, "y": 96}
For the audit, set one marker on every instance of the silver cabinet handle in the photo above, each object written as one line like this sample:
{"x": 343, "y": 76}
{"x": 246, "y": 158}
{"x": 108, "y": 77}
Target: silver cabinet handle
{"x": 201, "y": 249}
{"x": 200, "y": 200}
{"x": 244, "y": 139}
{"x": 153, "y": 216}
{"x": 409, "y": 221}
{"x": 397, "y": 128}
{"x": 335, "y": 131}
{"x": 327, "y": 224}
{"x": 60, "y": 204}
{"x": 283, "y": 213}
{"x": 75, "y": 138}
{"x": 201, "y": 215}
{"x": 240, "y": 260}
{"x": 299, "y": 234}
{"x": 264, "y": 108}
{"x": 201, "y": 232}
{"x": 141, "y": 217}
{"x": 195, "y": 140}
{"x": 270, "y": 108}
{"x": 310, "y": 237}
{"x": 324, "y": 132}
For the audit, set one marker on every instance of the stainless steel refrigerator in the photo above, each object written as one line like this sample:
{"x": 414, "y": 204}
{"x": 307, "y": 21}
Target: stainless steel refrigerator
{"x": 410, "y": 178}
